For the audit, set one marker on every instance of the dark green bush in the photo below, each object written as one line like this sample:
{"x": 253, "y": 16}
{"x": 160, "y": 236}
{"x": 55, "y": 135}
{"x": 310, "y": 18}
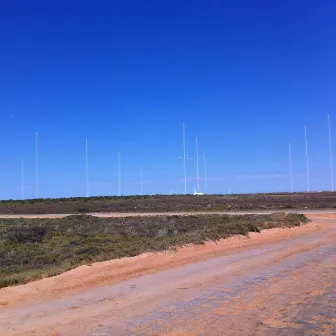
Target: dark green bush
{"x": 26, "y": 234}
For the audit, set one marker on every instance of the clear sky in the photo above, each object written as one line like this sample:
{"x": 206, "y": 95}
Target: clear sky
{"x": 244, "y": 76}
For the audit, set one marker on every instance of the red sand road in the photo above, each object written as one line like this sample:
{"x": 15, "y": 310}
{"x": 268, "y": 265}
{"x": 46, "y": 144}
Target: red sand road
{"x": 279, "y": 282}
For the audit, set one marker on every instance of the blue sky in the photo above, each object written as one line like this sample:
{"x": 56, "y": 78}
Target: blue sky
{"x": 244, "y": 76}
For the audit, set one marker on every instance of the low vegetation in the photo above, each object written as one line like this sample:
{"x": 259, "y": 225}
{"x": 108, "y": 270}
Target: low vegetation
{"x": 36, "y": 248}
{"x": 174, "y": 203}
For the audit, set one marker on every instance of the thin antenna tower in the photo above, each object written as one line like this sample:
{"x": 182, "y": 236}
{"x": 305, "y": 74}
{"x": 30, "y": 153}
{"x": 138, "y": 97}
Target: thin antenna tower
{"x": 290, "y": 166}
{"x": 279, "y": 187}
{"x": 36, "y": 164}
{"x": 331, "y": 156}
{"x": 141, "y": 181}
{"x": 119, "y": 173}
{"x": 22, "y": 193}
{"x": 197, "y": 168}
{"x": 307, "y": 160}
{"x": 184, "y": 161}
{"x": 87, "y": 167}
{"x": 205, "y": 171}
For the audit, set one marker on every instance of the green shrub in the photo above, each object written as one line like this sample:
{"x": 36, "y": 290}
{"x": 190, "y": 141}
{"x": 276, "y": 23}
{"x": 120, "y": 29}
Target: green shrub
{"x": 35, "y": 248}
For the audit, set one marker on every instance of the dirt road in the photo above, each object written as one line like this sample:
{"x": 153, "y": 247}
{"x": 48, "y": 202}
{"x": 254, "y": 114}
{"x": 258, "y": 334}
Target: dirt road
{"x": 275, "y": 283}
{"x": 190, "y": 213}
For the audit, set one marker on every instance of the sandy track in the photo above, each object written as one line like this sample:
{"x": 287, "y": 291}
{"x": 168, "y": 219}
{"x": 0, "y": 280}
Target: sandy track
{"x": 146, "y": 214}
{"x": 279, "y": 282}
